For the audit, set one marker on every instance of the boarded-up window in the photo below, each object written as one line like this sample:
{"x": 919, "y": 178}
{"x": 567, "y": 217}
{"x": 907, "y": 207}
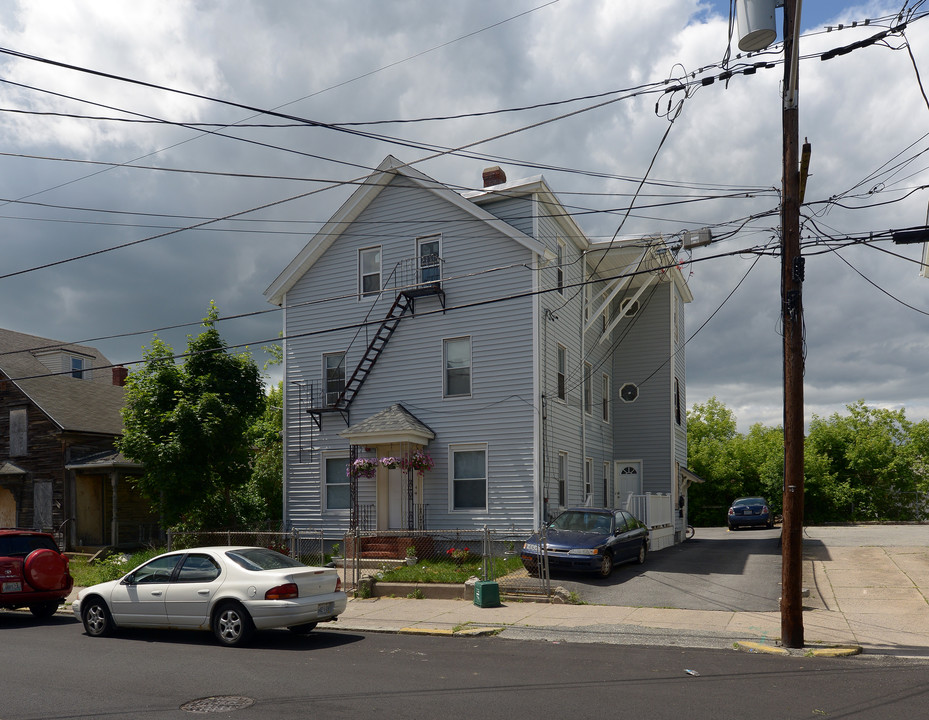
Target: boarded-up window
{"x": 18, "y": 438}
{"x": 42, "y": 501}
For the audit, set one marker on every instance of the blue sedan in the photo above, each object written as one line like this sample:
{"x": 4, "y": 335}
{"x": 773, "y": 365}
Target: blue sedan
{"x": 588, "y": 539}
{"x": 750, "y": 511}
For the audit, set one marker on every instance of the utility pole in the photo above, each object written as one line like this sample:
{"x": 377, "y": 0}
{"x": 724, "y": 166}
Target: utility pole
{"x": 792, "y": 273}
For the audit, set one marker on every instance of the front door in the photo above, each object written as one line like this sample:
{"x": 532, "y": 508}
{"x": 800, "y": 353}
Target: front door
{"x": 627, "y": 480}
{"x": 89, "y": 501}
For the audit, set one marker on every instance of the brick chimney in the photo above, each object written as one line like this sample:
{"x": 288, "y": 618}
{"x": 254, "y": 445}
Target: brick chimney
{"x": 119, "y": 375}
{"x": 493, "y": 176}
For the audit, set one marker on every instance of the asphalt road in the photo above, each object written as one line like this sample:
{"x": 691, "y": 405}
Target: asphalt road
{"x": 54, "y": 672}
{"x": 727, "y": 570}
{"x": 716, "y": 570}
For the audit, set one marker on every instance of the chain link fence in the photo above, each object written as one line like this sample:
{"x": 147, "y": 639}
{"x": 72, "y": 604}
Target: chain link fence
{"x": 421, "y": 559}
{"x": 303, "y": 544}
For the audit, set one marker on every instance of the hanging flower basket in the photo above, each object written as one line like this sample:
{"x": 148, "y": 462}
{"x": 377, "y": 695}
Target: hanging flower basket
{"x": 390, "y": 462}
{"x": 363, "y": 467}
{"x": 418, "y": 461}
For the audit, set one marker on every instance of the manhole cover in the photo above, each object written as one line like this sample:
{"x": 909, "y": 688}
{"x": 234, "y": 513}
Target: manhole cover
{"x": 218, "y": 704}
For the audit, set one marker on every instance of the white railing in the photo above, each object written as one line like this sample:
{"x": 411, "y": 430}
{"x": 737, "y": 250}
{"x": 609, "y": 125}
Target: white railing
{"x": 654, "y": 509}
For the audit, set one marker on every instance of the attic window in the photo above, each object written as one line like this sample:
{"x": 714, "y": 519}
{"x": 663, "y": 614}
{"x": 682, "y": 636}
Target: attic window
{"x": 77, "y": 367}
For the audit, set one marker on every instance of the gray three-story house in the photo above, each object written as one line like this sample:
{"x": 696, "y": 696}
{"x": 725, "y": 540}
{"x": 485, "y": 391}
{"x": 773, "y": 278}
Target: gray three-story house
{"x": 466, "y": 360}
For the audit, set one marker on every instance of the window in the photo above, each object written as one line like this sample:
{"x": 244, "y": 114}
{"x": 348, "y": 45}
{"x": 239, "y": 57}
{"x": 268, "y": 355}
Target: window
{"x": 369, "y": 271}
{"x": 77, "y": 367}
{"x": 158, "y": 570}
{"x": 42, "y": 504}
{"x": 588, "y": 389}
{"x": 677, "y": 401}
{"x": 334, "y": 376}
{"x": 562, "y": 478}
{"x": 588, "y": 480}
{"x": 629, "y": 392}
{"x": 18, "y": 432}
{"x": 337, "y": 489}
{"x": 198, "y": 569}
{"x": 606, "y": 483}
{"x": 605, "y": 397}
{"x": 469, "y": 477}
{"x": 429, "y": 254}
{"x": 629, "y": 307}
{"x": 562, "y": 372}
{"x": 457, "y": 367}
{"x": 559, "y": 260}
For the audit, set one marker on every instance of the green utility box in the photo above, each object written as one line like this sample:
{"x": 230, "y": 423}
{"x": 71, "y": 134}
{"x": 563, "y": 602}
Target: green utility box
{"x": 486, "y": 594}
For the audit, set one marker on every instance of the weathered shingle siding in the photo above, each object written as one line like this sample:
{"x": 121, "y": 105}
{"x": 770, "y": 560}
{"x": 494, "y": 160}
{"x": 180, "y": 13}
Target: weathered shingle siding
{"x": 410, "y": 370}
{"x": 641, "y": 428}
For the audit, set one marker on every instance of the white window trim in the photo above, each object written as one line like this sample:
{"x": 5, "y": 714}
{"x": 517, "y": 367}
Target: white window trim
{"x": 588, "y": 480}
{"x": 325, "y": 371}
{"x": 562, "y": 478}
{"x": 606, "y": 401}
{"x": 422, "y": 239}
{"x": 470, "y": 392}
{"x": 588, "y": 381}
{"x": 380, "y": 273}
{"x": 465, "y": 447}
{"x": 324, "y": 486}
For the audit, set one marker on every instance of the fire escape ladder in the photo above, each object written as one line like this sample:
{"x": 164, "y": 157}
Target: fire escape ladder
{"x": 373, "y": 351}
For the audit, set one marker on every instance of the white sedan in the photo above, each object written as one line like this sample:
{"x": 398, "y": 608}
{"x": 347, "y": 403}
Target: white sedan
{"x": 232, "y": 591}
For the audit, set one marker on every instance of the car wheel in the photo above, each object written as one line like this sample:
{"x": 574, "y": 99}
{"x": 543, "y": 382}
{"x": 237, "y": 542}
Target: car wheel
{"x": 96, "y": 617}
{"x": 606, "y": 565}
{"x": 643, "y": 551}
{"x": 43, "y": 611}
{"x": 304, "y": 629}
{"x": 232, "y": 624}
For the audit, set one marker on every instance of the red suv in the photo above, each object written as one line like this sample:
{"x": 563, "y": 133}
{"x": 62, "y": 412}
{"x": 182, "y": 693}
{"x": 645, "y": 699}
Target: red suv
{"x": 33, "y": 572}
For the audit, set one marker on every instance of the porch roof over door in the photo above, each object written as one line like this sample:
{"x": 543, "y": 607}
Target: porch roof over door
{"x": 392, "y": 425}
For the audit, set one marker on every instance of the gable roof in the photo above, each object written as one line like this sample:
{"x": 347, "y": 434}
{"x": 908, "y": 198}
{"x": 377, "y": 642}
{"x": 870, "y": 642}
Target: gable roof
{"x": 369, "y": 189}
{"x": 394, "y": 424}
{"x": 89, "y": 406}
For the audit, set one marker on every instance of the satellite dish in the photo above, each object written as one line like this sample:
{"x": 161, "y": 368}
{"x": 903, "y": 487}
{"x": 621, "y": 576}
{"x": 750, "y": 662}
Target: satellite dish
{"x": 756, "y": 24}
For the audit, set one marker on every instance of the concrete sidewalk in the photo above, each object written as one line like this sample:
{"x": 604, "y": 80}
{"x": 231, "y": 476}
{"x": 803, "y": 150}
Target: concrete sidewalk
{"x": 869, "y": 599}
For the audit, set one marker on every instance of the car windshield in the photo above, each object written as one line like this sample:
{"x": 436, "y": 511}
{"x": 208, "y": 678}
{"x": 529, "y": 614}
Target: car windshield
{"x": 581, "y": 521}
{"x": 749, "y": 501}
{"x": 262, "y": 559}
{"x": 12, "y": 545}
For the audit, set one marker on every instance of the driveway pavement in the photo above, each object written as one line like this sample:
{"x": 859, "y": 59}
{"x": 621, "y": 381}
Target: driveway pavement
{"x": 868, "y": 589}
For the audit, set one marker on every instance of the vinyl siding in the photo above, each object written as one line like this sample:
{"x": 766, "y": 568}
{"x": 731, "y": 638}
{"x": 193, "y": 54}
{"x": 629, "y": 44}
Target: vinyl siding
{"x": 499, "y": 411}
{"x": 641, "y": 428}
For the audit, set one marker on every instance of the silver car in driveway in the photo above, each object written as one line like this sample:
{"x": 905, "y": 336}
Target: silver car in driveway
{"x": 232, "y": 591}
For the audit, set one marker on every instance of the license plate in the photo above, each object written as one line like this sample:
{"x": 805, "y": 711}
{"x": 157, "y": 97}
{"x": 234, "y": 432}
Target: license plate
{"x": 325, "y": 608}
{"x": 12, "y": 587}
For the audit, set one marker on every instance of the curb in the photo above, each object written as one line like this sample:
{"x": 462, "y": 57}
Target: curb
{"x": 464, "y": 632}
{"x": 824, "y": 651}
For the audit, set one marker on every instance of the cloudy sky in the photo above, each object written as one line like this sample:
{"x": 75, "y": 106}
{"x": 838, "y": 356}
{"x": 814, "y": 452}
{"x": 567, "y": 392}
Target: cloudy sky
{"x": 90, "y": 162}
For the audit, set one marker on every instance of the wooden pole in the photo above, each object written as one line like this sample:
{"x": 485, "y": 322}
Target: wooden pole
{"x": 792, "y": 313}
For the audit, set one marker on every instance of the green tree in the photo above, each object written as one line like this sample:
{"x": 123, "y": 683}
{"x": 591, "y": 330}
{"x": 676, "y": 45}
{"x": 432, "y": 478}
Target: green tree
{"x": 188, "y": 426}
{"x": 267, "y": 444}
{"x": 711, "y": 453}
{"x": 869, "y": 466}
